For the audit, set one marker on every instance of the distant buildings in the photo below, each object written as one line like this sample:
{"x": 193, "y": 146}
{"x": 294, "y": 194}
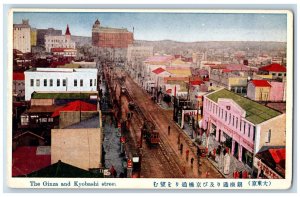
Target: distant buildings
{"x": 263, "y": 90}
{"x": 64, "y": 52}
{"x": 22, "y": 37}
{"x": 243, "y": 125}
{"x": 41, "y": 33}
{"x": 106, "y": 37}
{"x": 61, "y": 41}
{"x": 137, "y": 54}
{"x": 33, "y": 37}
{"x": 276, "y": 70}
{"x": 60, "y": 80}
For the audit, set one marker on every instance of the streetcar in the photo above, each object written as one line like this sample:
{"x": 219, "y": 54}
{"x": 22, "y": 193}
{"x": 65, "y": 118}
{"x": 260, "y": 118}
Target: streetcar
{"x": 150, "y": 133}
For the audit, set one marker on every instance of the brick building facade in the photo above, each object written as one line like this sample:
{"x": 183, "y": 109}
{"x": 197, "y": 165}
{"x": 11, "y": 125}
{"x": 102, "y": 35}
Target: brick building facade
{"x": 106, "y": 37}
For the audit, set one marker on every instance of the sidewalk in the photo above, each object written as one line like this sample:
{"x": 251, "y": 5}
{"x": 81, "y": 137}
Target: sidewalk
{"x": 235, "y": 164}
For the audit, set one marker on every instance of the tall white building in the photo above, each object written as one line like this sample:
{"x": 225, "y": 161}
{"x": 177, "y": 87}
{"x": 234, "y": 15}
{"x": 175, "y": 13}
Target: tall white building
{"x": 22, "y": 36}
{"x": 63, "y": 41}
{"x": 60, "y": 80}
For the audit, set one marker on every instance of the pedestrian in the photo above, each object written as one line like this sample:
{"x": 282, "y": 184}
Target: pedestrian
{"x": 179, "y": 135}
{"x": 192, "y": 162}
{"x": 169, "y": 128}
{"x": 181, "y": 148}
{"x": 187, "y": 154}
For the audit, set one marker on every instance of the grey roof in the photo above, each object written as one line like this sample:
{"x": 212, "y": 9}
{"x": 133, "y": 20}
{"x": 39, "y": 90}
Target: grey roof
{"x": 88, "y": 123}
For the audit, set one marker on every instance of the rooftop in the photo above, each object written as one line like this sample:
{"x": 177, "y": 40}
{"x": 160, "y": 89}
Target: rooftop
{"x": 18, "y": 76}
{"x": 61, "y": 169}
{"x": 261, "y": 83}
{"x": 63, "y": 95}
{"x": 158, "y": 70}
{"x": 255, "y": 112}
{"x": 274, "y": 157}
{"x": 273, "y": 68}
{"x": 92, "y": 122}
{"x": 110, "y": 29}
{"x": 27, "y": 159}
{"x": 75, "y": 106}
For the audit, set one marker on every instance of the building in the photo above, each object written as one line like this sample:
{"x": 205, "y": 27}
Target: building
{"x": 19, "y": 84}
{"x": 270, "y": 162}
{"x": 242, "y": 125}
{"x": 80, "y": 143}
{"x": 27, "y": 159}
{"x": 41, "y": 33}
{"x": 64, "y": 52}
{"x": 259, "y": 90}
{"x": 62, "y": 41}
{"x": 106, "y": 37}
{"x": 60, "y": 80}
{"x": 138, "y": 53}
{"x": 33, "y": 37}
{"x": 263, "y": 90}
{"x": 22, "y": 37}
{"x": 276, "y": 70}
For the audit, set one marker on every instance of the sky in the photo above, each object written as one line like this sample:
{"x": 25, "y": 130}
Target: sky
{"x": 184, "y": 27}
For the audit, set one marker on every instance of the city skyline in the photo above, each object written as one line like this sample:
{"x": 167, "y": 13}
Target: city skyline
{"x": 182, "y": 27}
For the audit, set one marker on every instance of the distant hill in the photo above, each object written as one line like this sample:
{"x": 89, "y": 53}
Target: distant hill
{"x": 82, "y": 40}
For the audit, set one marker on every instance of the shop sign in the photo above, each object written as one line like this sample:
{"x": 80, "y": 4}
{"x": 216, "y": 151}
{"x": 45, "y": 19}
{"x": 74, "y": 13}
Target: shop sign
{"x": 191, "y": 112}
{"x": 267, "y": 171}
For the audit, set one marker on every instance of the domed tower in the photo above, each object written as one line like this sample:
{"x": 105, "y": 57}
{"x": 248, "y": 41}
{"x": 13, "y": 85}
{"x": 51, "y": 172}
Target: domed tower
{"x": 96, "y": 33}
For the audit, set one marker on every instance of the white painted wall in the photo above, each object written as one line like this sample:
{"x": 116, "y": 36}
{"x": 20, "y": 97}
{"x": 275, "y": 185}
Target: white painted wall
{"x": 60, "y": 73}
{"x": 22, "y": 39}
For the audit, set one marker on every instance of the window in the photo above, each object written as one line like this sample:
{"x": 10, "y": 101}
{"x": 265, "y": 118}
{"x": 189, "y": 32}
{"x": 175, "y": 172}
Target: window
{"x": 254, "y": 131}
{"x": 229, "y": 118}
{"x": 64, "y": 82}
{"x": 38, "y": 82}
{"x": 45, "y": 82}
{"x": 58, "y": 82}
{"x": 222, "y": 113}
{"x": 225, "y": 115}
{"x": 274, "y": 74}
{"x": 75, "y": 82}
{"x": 268, "y": 136}
{"x": 240, "y": 125}
{"x": 233, "y": 121}
{"x": 285, "y": 74}
{"x": 244, "y": 127}
{"x": 81, "y": 82}
{"x": 31, "y": 82}
{"x": 237, "y": 121}
{"x": 91, "y": 82}
{"x": 279, "y": 74}
{"x": 95, "y": 82}
{"x": 249, "y": 127}
{"x": 51, "y": 82}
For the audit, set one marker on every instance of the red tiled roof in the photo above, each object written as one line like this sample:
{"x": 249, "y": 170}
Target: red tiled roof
{"x": 226, "y": 70}
{"x": 158, "y": 70}
{"x": 19, "y": 76}
{"x": 75, "y": 106}
{"x": 25, "y": 160}
{"x": 278, "y": 154}
{"x": 196, "y": 82}
{"x": 273, "y": 68}
{"x": 261, "y": 83}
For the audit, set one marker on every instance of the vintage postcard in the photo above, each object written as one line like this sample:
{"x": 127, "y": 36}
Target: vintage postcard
{"x": 150, "y": 99}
